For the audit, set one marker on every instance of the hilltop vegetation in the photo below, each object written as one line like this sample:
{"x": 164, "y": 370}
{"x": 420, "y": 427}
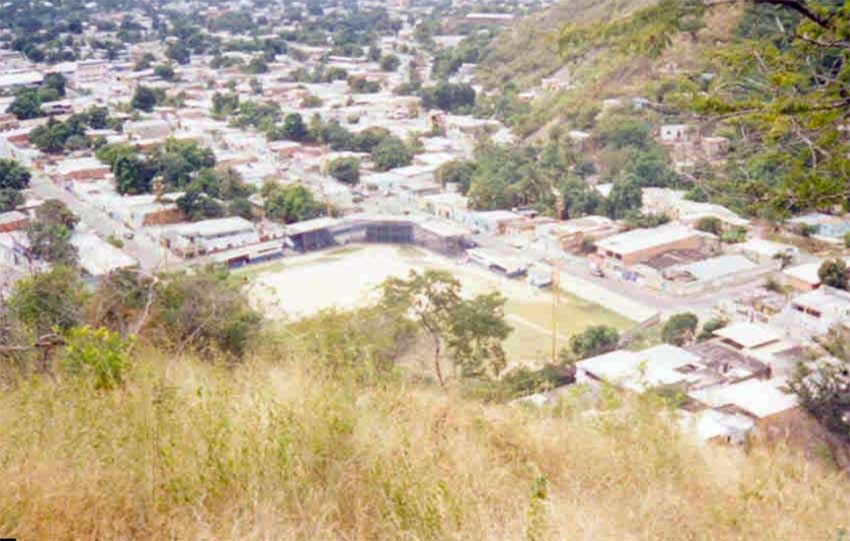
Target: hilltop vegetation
{"x": 292, "y": 445}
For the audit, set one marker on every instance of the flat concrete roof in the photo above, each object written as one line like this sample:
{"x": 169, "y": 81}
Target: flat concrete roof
{"x": 759, "y": 398}
{"x": 748, "y": 335}
{"x": 638, "y": 240}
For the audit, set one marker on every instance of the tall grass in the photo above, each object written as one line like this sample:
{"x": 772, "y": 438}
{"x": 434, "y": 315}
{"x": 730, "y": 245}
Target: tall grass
{"x": 274, "y": 450}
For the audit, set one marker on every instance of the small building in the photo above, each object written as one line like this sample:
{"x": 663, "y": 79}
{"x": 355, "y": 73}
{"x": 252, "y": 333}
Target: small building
{"x": 492, "y": 222}
{"x": 817, "y": 312}
{"x": 100, "y": 257}
{"x": 825, "y": 225}
{"x": 803, "y": 277}
{"x": 208, "y": 236}
{"x": 764, "y": 251}
{"x": 639, "y": 245}
{"x": 144, "y": 130}
{"x": 313, "y": 234}
{"x": 81, "y": 169}
{"x": 676, "y": 133}
{"x": 571, "y": 235}
{"x": 449, "y": 206}
{"x": 13, "y": 221}
{"x": 761, "y": 400}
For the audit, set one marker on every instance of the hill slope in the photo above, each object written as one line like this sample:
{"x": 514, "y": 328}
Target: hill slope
{"x": 292, "y": 450}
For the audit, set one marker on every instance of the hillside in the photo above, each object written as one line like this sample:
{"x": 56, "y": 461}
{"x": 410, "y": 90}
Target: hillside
{"x": 298, "y": 448}
{"x": 527, "y": 51}
{"x": 592, "y": 69}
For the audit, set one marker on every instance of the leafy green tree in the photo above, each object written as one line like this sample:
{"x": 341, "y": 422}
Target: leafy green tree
{"x": 680, "y": 329}
{"x": 54, "y": 136}
{"x": 49, "y": 299}
{"x": 51, "y": 242}
{"x": 824, "y": 391}
{"x": 390, "y": 62}
{"x": 26, "y": 105}
{"x": 197, "y": 205}
{"x": 179, "y": 52}
{"x": 472, "y": 330}
{"x": 289, "y": 204}
{"x": 709, "y": 327}
{"x": 144, "y": 99}
{"x": 593, "y": 341}
{"x": 625, "y": 196}
{"x": 459, "y": 172}
{"x": 391, "y": 153}
{"x": 294, "y": 128}
{"x": 165, "y": 72}
{"x": 10, "y": 199}
{"x": 13, "y": 175}
{"x": 345, "y": 170}
{"x": 205, "y": 311}
{"x": 132, "y": 175}
{"x": 55, "y": 82}
{"x": 834, "y": 273}
{"x": 448, "y": 97}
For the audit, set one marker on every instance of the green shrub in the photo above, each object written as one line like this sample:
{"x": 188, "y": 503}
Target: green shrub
{"x": 99, "y": 354}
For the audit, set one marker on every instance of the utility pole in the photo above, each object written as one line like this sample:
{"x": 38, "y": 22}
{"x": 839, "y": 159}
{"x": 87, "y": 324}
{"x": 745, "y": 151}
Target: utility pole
{"x": 556, "y": 282}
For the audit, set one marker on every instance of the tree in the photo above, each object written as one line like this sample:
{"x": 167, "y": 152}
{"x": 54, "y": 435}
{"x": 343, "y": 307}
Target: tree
{"x": 786, "y": 121}
{"x": 53, "y": 136}
{"x": 165, "y": 72}
{"x": 626, "y": 195}
{"x": 449, "y": 97}
{"x": 132, "y": 175}
{"x": 55, "y": 82}
{"x": 824, "y": 391}
{"x": 294, "y": 128}
{"x": 178, "y": 52}
{"x": 593, "y": 341}
{"x": 205, "y": 311}
{"x": 458, "y": 172}
{"x": 13, "y": 175}
{"x": 144, "y": 99}
{"x": 391, "y": 153}
{"x": 834, "y": 273}
{"x": 390, "y": 62}
{"x": 472, "y": 330}
{"x": 54, "y": 211}
{"x": 49, "y": 299}
{"x": 679, "y": 329}
{"x": 26, "y": 105}
{"x": 289, "y": 204}
{"x": 345, "y": 170}
{"x": 197, "y": 205}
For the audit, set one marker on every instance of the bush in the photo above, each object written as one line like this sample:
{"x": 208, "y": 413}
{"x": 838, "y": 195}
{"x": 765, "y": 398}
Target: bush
{"x": 710, "y": 224}
{"x": 594, "y": 341}
{"x": 679, "y": 329}
{"x": 345, "y": 170}
{"x": 834, "y": 273}
{"x": 710, "y": 326}
{"x": 98, "y": 354}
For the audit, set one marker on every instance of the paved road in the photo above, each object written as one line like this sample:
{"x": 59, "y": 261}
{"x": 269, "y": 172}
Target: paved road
{"x": 149, "y": 253}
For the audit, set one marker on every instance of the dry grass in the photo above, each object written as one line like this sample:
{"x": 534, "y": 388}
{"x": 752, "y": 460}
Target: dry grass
{"x": 284, "y": 451}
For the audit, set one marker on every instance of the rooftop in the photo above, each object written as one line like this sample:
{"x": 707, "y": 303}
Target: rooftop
{"x": 756, "y": 397}
{"x": 637, "y": 240}
{"x": 748, "y": 335}
{"x": 101, "y": 258}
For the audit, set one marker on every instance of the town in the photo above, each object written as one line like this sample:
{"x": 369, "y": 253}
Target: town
{"x": 230, "y": 147}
